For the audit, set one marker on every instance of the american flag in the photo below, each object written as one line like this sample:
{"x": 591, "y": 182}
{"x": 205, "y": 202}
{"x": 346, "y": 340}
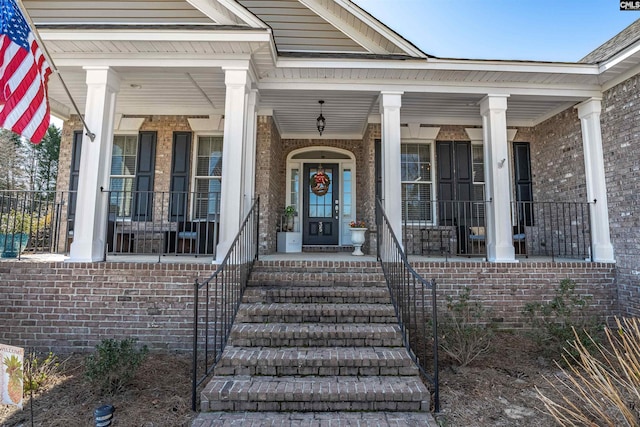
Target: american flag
{"x": 24, "y": 73}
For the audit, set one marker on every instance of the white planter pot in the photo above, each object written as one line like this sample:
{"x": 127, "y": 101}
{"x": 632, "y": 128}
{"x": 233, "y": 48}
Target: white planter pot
{"x": 358, "y": 238}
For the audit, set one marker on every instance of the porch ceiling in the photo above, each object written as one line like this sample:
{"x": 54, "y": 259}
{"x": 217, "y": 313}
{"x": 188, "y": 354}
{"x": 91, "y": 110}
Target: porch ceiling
{"x": 201, "y": 91}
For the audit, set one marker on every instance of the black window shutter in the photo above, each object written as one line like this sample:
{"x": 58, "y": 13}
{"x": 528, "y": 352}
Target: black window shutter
{"x": 145, "y": 170}
{"x": 180, "y": 176}
{"x": 74, "y": 176}
{"x": 524, "y": 182}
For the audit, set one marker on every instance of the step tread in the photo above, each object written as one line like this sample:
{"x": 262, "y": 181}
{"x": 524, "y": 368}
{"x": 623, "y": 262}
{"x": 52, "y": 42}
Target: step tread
{"x": 317, "y": 389}
{"x": 315, "y": 419}
{"x": 315, "y": 356}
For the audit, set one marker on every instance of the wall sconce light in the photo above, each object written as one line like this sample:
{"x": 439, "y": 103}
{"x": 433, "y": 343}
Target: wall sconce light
{"x": 320, "y": 121}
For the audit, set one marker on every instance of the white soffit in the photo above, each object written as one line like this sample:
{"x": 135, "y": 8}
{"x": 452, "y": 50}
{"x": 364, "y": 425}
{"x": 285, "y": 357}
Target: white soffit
{"x": 116, "y": 12}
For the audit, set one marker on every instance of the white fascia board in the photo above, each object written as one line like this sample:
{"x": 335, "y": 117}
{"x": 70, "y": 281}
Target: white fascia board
{"x": 343, "y": 27}
{"x": 618, "y": 58}
{"x": 259, "y": 36}
{"x": 382, "y": 29}
{"x": 169, "y": 110}
{"x": 572, "y": 91}
{"x": 440, "y": 65}
{"x": 242, "y": 13}
{"x": 151, "y": 60}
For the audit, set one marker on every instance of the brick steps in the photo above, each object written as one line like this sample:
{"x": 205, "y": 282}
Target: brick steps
{"x": 344, "y": 393}
{"x": 316, "y": 361}
{"x": 314, "y": 335}
{"x": 316, "y": 313}
{"x": 315, "y": 344}
{"x": 314, "y": 419}
{"x": 324, "y": 294}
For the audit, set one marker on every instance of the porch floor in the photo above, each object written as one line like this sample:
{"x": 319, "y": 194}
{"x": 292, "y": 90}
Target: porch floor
{"x": 300, "y": 256}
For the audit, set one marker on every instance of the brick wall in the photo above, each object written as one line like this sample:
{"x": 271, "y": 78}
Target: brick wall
{"x": 270, "y": 181}
{"x": 621, "y": 147}
{"x": 504, "y": 289}
{"x": 557, "y": 159}
{"x": 71, "y": 307}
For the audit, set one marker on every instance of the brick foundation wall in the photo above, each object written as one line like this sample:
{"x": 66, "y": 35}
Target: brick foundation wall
{"x": 71, "y": 307}
{"x": 504, "y": 289}
{"x": 621, "y": 147}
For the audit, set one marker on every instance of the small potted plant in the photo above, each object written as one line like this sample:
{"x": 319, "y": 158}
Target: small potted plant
{"x": 358, "y": 229}
{"x": 289, "y": 213}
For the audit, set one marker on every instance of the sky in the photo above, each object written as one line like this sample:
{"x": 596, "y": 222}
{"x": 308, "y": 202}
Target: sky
{"x": 537, "y": 30}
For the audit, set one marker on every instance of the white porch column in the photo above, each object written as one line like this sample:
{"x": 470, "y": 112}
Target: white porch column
{"x": 250, "y": 151}
{"x": 589, "y": 113}
{"x": 390, "y": 103}
{"x": 90, "y": 227}
{"x": 231, "y": 193}
{"x": 498, "y": 231}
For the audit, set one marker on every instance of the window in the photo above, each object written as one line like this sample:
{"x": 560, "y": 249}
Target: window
{"x": 477, "y": 156}
{"x": 208, "y": 178}
{"x": 417, "y": 184}
{"x": 124, "y": 156}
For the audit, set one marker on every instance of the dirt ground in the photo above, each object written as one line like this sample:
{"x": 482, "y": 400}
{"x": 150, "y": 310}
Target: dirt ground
{"x": 495, "y": 390}
{"x": 159, "y": 396}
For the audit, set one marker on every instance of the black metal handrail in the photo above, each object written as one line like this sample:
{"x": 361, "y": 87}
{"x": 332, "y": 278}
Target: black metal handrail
{"x": 409, "y": 295}
{"x": 222, "y": 294}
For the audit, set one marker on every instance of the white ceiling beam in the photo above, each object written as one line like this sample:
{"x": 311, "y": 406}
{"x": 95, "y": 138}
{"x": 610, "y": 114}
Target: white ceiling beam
{"x": 571, "y": 91}
{"x": 315, "y": 135}
{"x": 208, "y": 7}
{"x": 152, "y": 61}
{"x": 344, "y": 27}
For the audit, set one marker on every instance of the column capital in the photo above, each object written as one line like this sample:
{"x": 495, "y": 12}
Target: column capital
{"x": 589, "y": 107}
{"x": 237, "y": 77}
{"x": 390, "y": 99}
{"x": 102, "y": 76}
{"x": 493, "y": 102}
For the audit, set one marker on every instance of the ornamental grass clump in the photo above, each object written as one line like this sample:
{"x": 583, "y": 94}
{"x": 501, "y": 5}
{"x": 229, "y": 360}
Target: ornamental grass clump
{"x": 601, "y": 385}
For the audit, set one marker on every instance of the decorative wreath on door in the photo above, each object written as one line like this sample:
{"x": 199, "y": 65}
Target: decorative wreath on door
{"x": 320, "y": 183}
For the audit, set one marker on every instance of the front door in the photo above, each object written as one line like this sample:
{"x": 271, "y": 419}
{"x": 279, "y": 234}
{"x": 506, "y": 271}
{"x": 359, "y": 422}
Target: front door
{"x": 321, "y": 208}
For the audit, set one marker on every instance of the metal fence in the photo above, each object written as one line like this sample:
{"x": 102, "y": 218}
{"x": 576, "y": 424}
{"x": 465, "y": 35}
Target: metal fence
{"x": 452, "y": 227}
{"x": 216, "y": 300}
{"x": 414, "y": 299}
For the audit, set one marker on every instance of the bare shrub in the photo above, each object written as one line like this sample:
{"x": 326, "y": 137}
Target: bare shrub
{"x": 464, "y": 334}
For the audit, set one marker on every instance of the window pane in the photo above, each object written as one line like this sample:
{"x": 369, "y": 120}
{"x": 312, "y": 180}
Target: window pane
{"x": 209, "y": 161}
{"x": 123, "y": 155}
{"x": 207, "y": 198}
{"x": 415, "y": 162}
{"x": 416, "y": 202}
{"x": 121, "y": 196}
{"x": 478, "y": 163}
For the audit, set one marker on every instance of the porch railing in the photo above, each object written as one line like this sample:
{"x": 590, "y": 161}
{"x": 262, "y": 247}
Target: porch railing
{"x": 446, "y": 228}
{"x": 33, "y": 222}
{"x": 216, "y": 300}
{"x": 414, "y": 299}
{"x": 162, "y": 223}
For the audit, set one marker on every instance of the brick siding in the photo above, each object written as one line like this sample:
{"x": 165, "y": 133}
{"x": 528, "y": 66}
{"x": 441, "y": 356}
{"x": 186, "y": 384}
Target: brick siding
{"x": 503, "y": 289}
{"x": 71, "y": 307}
{"x": 621, "y": 147}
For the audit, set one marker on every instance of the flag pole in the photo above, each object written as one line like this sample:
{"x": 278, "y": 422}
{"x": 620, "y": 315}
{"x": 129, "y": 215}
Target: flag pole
{"x": 91, "y": 135}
